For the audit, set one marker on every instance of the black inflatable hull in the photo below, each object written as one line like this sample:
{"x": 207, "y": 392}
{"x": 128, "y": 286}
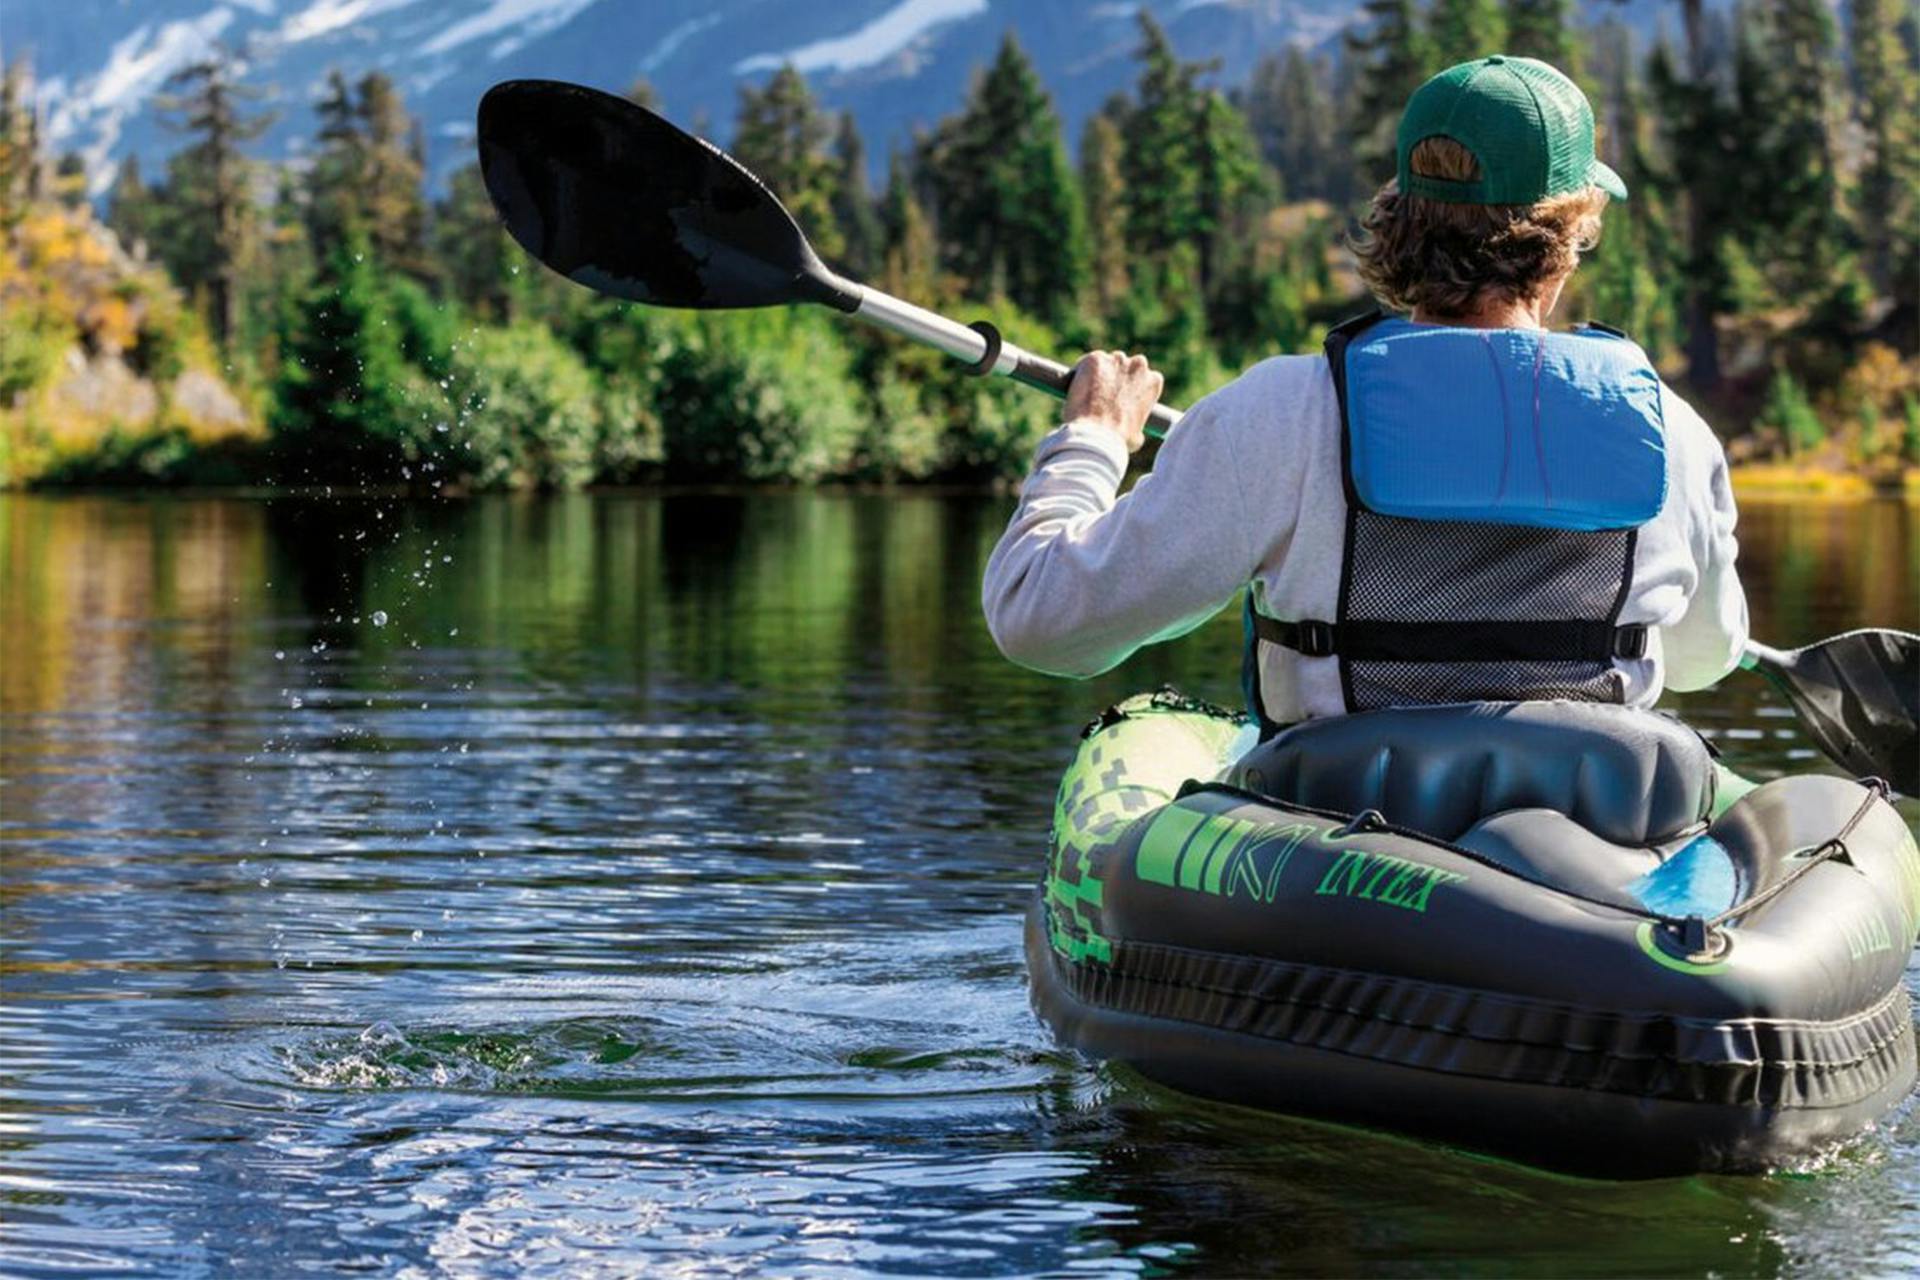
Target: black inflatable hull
{"x": 1242, "y": 950}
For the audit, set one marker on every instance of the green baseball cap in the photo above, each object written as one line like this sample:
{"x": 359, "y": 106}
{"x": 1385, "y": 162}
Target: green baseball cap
{"x": 1529, "y": 126}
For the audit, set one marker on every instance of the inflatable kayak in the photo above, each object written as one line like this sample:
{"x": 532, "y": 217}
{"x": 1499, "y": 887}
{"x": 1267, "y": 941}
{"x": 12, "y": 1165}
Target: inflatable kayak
{"x": 1555, "y": 931}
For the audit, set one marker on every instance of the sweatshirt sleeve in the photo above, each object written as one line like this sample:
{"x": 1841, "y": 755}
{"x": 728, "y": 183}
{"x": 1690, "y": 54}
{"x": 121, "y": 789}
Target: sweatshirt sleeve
{"x": 1082, "y": 577}
{"x": 1707, "y": 641}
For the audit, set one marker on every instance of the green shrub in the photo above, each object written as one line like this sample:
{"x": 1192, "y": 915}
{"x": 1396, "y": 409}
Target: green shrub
{"x": 1789, "y": 412}
{"x": 901, "y": 438}
{"x": 625, "y": 347}
{"x": 997, "y": 425}
{"x": 526, "y": 411}
{"x": 630, "y": 447}
{"x": 426, "y": 327}
{"x": 33, "y": 339}
{"x": 767, "y": 395}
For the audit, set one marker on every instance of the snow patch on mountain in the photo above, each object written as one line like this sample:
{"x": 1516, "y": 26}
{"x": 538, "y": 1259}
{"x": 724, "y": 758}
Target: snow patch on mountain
{"x": 528, "y": 18}
{"x": 140, "y": 63}
{"x": 326, "y": 16}
{"x": 875, "y": 42}
{"x": 671, "y": 42}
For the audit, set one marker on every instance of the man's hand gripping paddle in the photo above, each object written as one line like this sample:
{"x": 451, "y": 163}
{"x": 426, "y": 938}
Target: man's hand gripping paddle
{"x": 612, "y": 196}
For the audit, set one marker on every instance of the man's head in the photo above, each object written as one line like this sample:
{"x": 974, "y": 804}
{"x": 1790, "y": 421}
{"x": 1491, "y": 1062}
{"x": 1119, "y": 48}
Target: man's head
{"x": 1497, "y": 191}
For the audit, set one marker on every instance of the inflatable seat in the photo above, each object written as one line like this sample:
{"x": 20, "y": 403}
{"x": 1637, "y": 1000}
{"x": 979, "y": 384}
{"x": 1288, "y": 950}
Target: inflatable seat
{"x": 1584, "y": 796}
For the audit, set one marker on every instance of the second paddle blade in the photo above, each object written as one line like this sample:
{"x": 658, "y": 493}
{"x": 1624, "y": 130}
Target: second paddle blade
{"x": 1858, "y": 696}
{"x": 614, "y": 197}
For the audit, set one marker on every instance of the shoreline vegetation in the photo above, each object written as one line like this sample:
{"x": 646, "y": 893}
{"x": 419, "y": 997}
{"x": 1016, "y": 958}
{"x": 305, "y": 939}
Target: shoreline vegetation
{"x": 338, "y": 323}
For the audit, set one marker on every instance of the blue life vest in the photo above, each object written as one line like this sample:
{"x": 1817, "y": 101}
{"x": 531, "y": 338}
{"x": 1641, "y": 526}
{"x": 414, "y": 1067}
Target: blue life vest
{"x": 1495, "y": 482}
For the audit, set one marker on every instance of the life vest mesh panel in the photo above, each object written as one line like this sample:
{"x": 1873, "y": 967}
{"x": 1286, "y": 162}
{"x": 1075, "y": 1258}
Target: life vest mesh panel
{"x": 1401, "y": 570}
{"x": 1432, "y": 571}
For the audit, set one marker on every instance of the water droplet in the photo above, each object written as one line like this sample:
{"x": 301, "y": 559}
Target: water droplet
{"x": 379, "y": 617}
{"x": 279, "y": 655}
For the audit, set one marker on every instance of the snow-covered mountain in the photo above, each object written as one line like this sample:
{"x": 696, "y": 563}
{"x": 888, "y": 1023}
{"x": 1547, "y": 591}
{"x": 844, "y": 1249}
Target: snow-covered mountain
{"x": 897, "y": 64}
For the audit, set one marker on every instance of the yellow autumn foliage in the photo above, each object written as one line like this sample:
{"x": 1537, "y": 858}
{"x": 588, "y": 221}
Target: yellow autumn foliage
{"x": 98, "y": 352}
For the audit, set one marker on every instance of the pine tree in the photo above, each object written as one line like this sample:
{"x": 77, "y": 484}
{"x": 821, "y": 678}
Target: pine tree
{"x": 642, "y": 94}
{"x": 1631, "y": 279}
{"x": 369, "y": 172}
{"x": 911, "y": 268}
{"x": 1888, "y": 109}
{"x": 782, "y": 136}
{"x": 1461, "y": 30}
{"x": 1697, "y": 131}
{"x": 130, "y": 206}
{"x": 1785, "y": 102}
{"x": 19, "y": 143}
{"x": 1234, "y": 185}
{"x": 1544, "y": 29}
{"x": 1104, "y": 193}
{"x": 393, "y": 166}
{"x": 214, "y": 211}
{"x": 1389, "y": 62}
{"x": 853, "y": 204}
{"x": 475, "y": 256}
{"x": 1004, "y": 201}
{"x": 333, "y": 183}
{"x": 1162, "y": 181}
{"x": 337, "y": 400}
{"x": 286, "y": 267}
{"x": 1290, "y": 111}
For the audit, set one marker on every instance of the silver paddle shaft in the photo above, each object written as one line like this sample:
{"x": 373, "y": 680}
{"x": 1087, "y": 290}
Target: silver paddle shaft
{"x": 971, "y": 346}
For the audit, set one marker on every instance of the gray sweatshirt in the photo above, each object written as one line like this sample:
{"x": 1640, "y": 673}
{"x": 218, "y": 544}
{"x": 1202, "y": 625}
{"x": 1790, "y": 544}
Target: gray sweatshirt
{"x": 1246, "y": 494}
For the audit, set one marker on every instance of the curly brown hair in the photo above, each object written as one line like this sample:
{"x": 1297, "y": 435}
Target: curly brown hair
{"x": 1451, "y": 259}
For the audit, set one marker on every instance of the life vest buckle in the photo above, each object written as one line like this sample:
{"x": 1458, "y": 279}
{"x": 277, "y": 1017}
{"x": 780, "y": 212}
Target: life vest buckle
{"x": 1630, "y": 641}
{"x": 1315, "y": 638}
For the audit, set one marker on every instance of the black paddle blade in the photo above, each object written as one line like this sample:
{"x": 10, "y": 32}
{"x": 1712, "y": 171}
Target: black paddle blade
{"x": 615, "y": 198}
{"x": 1858, "y": 697}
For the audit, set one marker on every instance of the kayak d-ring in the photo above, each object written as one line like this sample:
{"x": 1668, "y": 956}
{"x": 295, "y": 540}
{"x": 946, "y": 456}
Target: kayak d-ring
{"x": 1365, "y": 820}
{"x": 983, "y": 367}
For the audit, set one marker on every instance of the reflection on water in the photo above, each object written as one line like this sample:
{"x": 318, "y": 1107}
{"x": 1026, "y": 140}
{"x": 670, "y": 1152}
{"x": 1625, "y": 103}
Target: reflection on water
{"x": 566, "y": 886}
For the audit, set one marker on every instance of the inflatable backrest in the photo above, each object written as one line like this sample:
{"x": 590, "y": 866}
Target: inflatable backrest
{"x": 1631, "y": 777}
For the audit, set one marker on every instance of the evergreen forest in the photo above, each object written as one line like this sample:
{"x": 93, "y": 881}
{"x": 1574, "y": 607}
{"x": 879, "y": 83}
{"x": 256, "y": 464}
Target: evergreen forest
{"x": 345, "y": 321}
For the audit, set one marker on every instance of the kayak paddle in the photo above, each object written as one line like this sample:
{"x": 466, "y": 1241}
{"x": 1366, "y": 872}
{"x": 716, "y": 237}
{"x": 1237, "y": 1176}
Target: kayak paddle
{"x": 614, "y": 197}
{"x": 1858, "y": 698}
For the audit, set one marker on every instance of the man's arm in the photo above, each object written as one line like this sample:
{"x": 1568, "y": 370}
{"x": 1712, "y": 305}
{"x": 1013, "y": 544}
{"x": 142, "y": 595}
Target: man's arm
{"x": 1707, "y": 641}
{"x": 1082, "y": 578}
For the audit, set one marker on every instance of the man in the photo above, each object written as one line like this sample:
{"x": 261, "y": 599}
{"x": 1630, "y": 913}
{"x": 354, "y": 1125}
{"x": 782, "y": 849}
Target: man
{"x": 1456, "y": 506}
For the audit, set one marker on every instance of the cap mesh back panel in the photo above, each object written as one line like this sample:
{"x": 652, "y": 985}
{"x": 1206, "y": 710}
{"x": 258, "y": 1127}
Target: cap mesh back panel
{"x": 1403, "y": 570}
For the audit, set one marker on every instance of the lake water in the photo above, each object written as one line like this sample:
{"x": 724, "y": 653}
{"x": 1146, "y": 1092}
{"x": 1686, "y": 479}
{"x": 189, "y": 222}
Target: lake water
{"x": 633, "y": 882}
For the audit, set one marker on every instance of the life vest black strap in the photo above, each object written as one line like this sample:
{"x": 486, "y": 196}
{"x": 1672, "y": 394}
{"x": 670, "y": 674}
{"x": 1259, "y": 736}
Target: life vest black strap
{"x": 1543, "y": 640}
